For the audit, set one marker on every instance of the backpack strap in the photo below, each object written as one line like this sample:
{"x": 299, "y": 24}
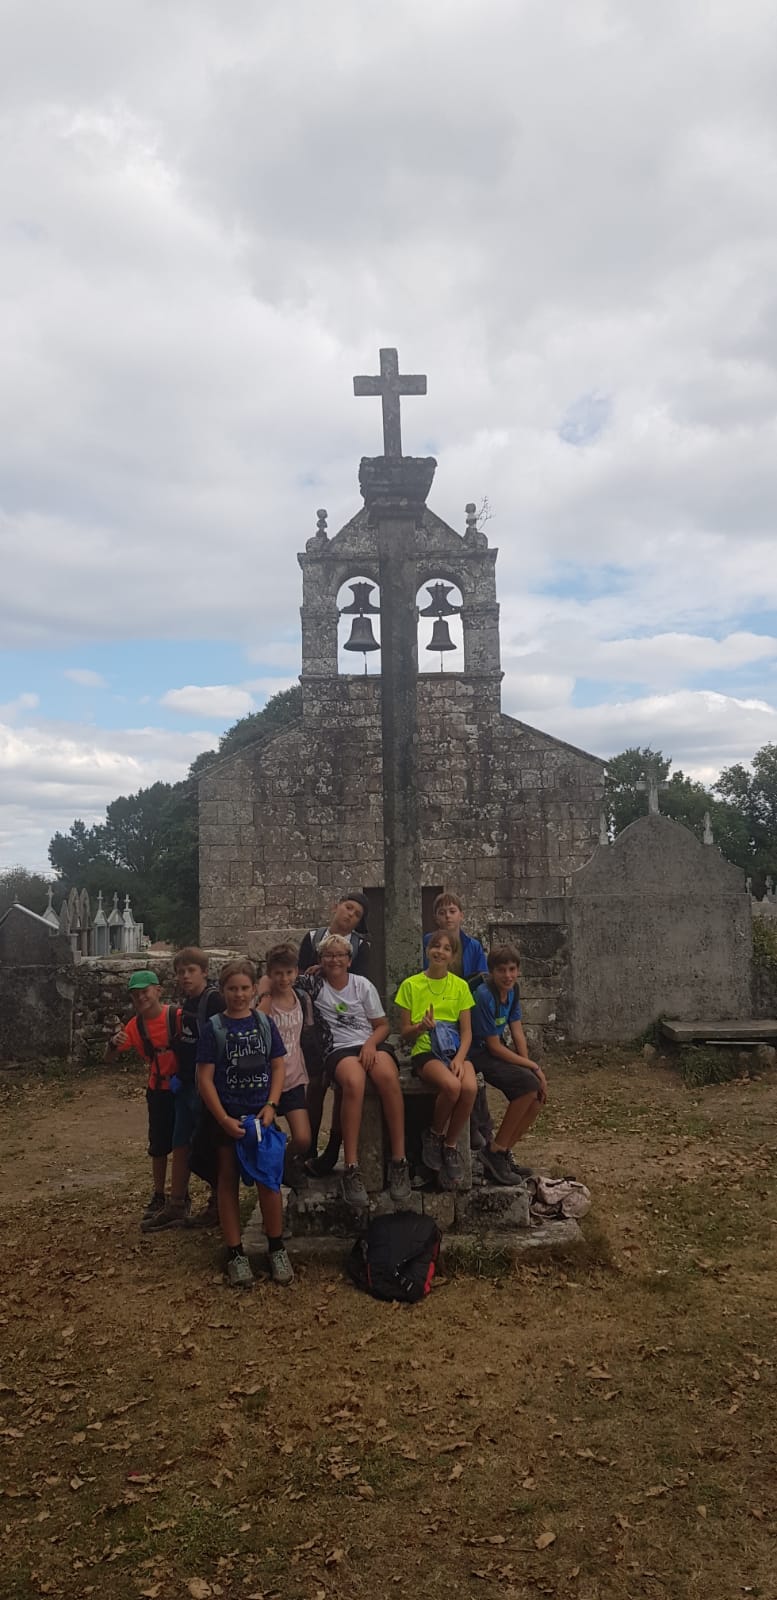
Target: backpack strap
{"x": 148, "y": 1049}
{"x": 220, "y": 1030}
{"x": 202, "y": 1006}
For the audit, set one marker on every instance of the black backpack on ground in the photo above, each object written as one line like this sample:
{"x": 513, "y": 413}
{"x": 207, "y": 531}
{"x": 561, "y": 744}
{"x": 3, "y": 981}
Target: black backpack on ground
{"x": 397, "y": 1257}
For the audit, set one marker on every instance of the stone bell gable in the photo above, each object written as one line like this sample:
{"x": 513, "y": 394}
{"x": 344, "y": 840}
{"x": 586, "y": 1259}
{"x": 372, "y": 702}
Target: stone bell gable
{"x": 505, "y": 812}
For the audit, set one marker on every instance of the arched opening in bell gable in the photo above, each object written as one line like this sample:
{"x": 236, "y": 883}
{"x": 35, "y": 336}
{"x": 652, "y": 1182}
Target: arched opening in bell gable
{"x": 358, "y": 627}
{"x": 440, "y": 626}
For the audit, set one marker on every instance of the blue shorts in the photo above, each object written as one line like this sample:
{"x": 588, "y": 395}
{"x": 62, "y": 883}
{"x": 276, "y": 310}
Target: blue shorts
{"x": 293, "y": 1100}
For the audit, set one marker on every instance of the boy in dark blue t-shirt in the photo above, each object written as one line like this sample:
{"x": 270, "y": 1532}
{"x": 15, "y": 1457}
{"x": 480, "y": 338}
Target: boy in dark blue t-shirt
{"x": 508, "y": 1069}
{"x": 240, "y": 1073}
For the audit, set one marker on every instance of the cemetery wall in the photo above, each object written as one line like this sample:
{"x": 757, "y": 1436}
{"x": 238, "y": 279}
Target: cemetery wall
{"x": 658, "y": 925}
{"x": 505, "y": 811}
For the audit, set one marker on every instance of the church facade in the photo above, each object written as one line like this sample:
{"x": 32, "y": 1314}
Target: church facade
{"x": 506, "y": 812}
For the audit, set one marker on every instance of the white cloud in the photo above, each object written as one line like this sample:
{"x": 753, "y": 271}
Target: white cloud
{"x": 85, "y": 677}
{"x": 12, "y": 708}
{"x": 51, "y": 773}
{"x": 200, "y": 252}
{"x": 218, "y": 700}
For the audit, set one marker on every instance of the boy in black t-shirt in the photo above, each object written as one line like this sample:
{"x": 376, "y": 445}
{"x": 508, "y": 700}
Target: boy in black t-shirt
{"x": 201, "y": 1001}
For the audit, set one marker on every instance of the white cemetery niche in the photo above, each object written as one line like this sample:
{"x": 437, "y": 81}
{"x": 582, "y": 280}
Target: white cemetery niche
{"x": 100, "y": 938}
{"x": 50, "y": 915}
{"x": 115, "y": 926}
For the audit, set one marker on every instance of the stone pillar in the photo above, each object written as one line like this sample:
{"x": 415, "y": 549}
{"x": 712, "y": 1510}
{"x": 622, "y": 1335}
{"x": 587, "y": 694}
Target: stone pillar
{"x": 395, "y": 492}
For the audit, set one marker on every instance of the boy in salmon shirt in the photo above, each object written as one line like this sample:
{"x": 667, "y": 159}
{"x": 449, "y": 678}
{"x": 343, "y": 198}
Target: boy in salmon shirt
{"x": 150, "y": 1033}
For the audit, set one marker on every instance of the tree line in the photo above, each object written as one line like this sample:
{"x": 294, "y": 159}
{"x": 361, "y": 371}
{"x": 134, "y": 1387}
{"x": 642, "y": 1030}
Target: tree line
{"x": 147, "y": 846}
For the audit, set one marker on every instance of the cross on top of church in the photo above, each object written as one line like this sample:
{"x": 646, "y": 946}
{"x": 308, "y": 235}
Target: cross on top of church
{"x": 652, "y": 784}
{"x": 390, "y": 385}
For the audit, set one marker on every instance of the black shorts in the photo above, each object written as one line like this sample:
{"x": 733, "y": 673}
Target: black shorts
{"x": 512, "y": 1082}
{"x": 161, "y": 1121}
{"x": 336, "y": 1056}
{"x": 292, "y": 1100}
{"x": 417, "y": 1063}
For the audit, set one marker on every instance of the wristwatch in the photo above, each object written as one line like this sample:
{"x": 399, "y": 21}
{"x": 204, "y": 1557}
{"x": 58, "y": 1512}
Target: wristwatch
{"x": 273, "y": 1107}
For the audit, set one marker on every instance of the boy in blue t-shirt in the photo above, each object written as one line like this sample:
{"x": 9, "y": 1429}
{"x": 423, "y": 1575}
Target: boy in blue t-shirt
{"x": 239, "y": 1075}
{"x": 508, "y": 1069}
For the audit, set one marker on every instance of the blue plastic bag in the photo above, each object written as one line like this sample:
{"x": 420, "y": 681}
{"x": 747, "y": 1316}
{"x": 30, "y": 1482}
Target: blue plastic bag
{"x": 445, "y": 1041}
{"x": 261, "y": 1153}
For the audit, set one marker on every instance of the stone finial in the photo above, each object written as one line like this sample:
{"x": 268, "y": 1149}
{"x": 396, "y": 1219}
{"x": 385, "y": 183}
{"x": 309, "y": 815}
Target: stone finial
{"x": 651, "y": 784}
{"x": 604, "y": 832}
{"x": 322, "y": 517}
{"x": 473, "y": 535}
{"x": 748, "y": 886}
{"x": 770, "y": 888}
{"x": 708, "y": 837}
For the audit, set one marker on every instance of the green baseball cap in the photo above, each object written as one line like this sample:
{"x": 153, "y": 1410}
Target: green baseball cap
{"x": 143, "y": 980}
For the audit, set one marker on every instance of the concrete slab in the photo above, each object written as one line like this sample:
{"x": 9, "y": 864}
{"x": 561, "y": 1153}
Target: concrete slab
{"x": 726, "y": 1032}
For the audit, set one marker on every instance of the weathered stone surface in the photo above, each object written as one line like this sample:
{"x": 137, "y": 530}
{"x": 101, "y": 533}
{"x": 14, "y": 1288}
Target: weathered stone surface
{"x": 439, "y": 1206}
{"x": 765, "y": 1056}
{"x": 659, "y": 925}
{"x": 493, "y": 1207}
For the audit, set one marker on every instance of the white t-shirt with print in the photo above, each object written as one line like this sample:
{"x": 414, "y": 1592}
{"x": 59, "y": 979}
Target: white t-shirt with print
{"x": 351, "y": 1013}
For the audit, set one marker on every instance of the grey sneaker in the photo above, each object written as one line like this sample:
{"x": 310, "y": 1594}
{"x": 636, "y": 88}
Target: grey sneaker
{"x": 155, "y": 1205}
{"x": 499, "y": 1167}
{"x": 354, "y": 1192}
{"x": 520, "y": 1172}
{"x": 399, "y": 1181}
{"x": 452, "y": 1170}
{"x": 239, "y": 1274}
{"x": 169, "y": 1216}
{"x": 431, "y": 1150}
{"x": 281, "y": 1269}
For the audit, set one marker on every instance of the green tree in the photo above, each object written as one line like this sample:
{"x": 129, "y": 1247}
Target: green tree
{"x": 624, "y": 802}
{"x": 72, "y": 854}
{"x": 29, "y": 888}
{"x": 752, "y": 797}
{"x": 682, "y": 798}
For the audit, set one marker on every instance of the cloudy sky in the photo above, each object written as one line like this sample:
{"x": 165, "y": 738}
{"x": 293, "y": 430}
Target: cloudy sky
{"x": 213, "y": 215}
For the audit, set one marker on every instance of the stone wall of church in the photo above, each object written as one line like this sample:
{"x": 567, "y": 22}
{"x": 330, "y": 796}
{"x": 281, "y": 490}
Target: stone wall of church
{"x": 506, "y": 812}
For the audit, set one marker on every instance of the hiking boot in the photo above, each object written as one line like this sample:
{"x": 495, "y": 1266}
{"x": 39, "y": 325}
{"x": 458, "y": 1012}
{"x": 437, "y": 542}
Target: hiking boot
{"x": 239, "y": 1274}
{"x": 431, "y": 1150}
{"x": 521, "y": 1172}
{"x": 171, "y": 1215}
{"x": 452, "y": 1170}
{"x": 354, "y": 1192}
{"x": 498, "y": 1165}
{"x": 320, "y": 1166}
{"x": 155, "y": 1205}
{"x": 294, "y": 1175}
{"x": 207, "y": 1218}
{"x": 399, "y": 1181}
{"x": 281, "y": 1269}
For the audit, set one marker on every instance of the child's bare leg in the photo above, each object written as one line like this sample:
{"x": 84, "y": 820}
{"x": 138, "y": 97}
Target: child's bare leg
{"x": 519, "y": 1117}
{"x": 299, "y": 1125}
{"x": 385, "y": 1077}
{"x": 461, "y": 1112}
{"x": 227, "y": 1191}
{"x": 271, "y": 1207}
{"x": 179, "y": 1180}
{"x": 448, "y": 1089}
{"x": 351, "y": 1078}
{"x": 159, "y": 1173}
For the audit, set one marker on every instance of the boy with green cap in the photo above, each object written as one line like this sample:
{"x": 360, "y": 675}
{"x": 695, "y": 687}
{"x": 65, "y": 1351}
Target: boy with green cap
{"x": 172, "y": 1105}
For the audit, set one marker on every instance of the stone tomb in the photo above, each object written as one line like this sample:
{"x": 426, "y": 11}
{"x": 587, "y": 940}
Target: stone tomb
{"x": 36, "y": 989}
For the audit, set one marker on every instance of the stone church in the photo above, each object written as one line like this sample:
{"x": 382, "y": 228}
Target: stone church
{"x": 505, "y": 812}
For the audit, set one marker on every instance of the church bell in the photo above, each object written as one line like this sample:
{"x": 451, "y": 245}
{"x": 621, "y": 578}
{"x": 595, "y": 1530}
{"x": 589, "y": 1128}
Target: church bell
{"x": 362, "y": 637}
{"x": 441, "y": 636}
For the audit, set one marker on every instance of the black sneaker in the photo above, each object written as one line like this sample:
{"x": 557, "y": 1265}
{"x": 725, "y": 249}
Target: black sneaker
{"x": 522, "y": 1172}
{"x": 499, "y": 1167}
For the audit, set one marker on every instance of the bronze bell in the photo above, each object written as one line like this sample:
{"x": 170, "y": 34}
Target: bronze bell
{"x": 361, "y": 603}
{"x": 441, "y": 636}
{"x": 362, "y": 636}
{"x": 439, "y": 604}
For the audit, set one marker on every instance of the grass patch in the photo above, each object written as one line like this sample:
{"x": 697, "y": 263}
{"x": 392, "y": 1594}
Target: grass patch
{"x": 701, "y": 1065}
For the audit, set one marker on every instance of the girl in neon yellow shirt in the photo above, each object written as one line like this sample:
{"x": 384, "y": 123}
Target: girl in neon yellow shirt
{"x": 426, "y": 999}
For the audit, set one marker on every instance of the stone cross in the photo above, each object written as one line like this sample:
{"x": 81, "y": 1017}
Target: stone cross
{"x": 390, "y": 385}
{"x": 653, "y": 785}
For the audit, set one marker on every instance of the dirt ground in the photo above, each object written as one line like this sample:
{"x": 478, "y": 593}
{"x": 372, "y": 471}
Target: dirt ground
{"x": 593, "y": 1430}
